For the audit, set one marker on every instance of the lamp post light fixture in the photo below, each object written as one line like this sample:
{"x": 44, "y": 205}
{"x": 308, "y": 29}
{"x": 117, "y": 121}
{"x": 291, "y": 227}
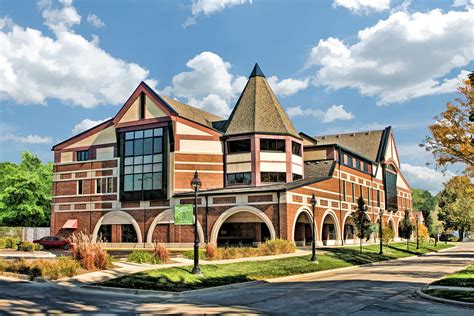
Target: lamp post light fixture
{"x": 417, "y": 239}
{"x": 313, "y": 244}
{"x": 380, "y": 231}
{"x": 196, "y": 184}
{"x": 364, "y": 210}
{"x": 437, "y": 235}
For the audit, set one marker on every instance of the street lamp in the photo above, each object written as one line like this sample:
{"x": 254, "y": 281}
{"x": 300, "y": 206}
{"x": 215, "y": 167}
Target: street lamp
{"x": 380, "y": 231}
{"x": 437, "y": 235}
{"x": 196, "y": 184}
{"x": 361, "y": 220}
{"x": 417, "y": 239}
{"x": 313, "y": 244}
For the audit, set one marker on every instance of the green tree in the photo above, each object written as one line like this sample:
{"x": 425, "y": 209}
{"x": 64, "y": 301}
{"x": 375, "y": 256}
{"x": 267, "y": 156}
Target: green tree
{"x": 25, "y": 192}
{"x": 456, "y": 204}
{"x": 426, "y": 203}
{"x": 387, "y": 235}
{"x": 406, "y": 228}
{"x": 361, "y": 222}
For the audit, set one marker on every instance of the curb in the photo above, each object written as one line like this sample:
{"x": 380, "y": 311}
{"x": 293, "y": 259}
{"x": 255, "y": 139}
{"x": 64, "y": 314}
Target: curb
{"x": 425, "y": 296}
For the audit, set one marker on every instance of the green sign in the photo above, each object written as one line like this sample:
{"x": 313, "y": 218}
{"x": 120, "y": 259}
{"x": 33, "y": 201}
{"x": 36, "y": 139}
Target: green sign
{"x": 374, "y": 228}
{"x": 183, "y": 214}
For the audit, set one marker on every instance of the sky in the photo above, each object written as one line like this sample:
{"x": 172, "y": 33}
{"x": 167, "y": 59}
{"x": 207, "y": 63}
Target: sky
{"x": 336, "y": 65}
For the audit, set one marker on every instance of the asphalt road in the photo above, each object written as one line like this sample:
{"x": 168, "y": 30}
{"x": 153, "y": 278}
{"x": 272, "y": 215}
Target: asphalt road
{"x": 387, "y": 288}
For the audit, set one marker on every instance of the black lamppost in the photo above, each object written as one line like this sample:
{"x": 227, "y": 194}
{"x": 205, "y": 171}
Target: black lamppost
{"x": 380, "y": 230}
{"x": 437, "y": 235}
{"x": 313, "y": 244}
{"x": 417, "y": 239}
{"x": 196, "y": 184}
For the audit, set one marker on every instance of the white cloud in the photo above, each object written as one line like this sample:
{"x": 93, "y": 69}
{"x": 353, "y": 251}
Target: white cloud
{"x": 425, "y": 178}
{"x": 363, "y": 6}
{"x": 95, "y": 21}
{"x": 86, "y": 124}
{"x": 209, "y": 7}
{"x": 288, "y": 86}
{"x": 67, "y": 67}
{"x": 400, "y": 58}
{"x": 463, "y": 3}
{"x": 335, "y": 112}
{"x": 213, "y": 104}
{"x": 29, "y": 139}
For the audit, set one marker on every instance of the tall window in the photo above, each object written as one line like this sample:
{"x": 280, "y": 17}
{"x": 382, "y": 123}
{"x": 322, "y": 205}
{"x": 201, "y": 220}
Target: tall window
{"x": 273, "y": 176}
{"x": 143, "y": 160}
{"x": 98, "y": 186}
{"x": 80, "y": 189}
{"x": 82, "y": 155}
{"x": 358, "y": 164}
{"x": 239, "y": 178}
{"x": 353, "y": 192}
{"x": 296, "y": 148}
{"x": 238, "y": 146}
{"x": 344, "y": 190}
{"x": 378, "y": 198}
{"x": 391, "y": 191}
{"x": 350, "y": 162}
{"x": 272, "y": 144}
{"x": 109, "y": 184}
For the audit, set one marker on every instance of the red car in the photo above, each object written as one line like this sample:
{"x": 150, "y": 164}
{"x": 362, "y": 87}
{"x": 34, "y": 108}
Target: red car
{"x": 54, "y": 242}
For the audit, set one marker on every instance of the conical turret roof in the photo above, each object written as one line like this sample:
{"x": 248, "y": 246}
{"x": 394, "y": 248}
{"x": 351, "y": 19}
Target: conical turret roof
{"x": 258, "y": 110}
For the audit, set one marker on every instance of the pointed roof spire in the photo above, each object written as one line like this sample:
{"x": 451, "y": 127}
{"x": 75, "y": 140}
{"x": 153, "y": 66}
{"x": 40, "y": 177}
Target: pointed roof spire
{"x": 256, "y": 72}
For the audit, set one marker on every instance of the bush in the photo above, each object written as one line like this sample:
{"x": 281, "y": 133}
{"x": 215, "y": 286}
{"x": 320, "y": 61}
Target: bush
{"x": 387, "y": 235}
{"x": 90, "y": 255}
{"x": 212, "y": 252}
{"x": 276, "y": 247}
{"x": 8, "y": 242}
{"x": 26, "y": 246}
{"x": 161, "y": 252}
{"x": 139, "y": 256}
{"x": 51, "y": 269}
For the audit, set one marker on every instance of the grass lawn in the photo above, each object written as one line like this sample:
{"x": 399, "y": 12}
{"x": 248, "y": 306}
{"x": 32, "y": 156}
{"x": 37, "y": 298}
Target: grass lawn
{"x": 463, "y": 296}
{"x": 464, "y": 278}
{"x": 180, "y": 278}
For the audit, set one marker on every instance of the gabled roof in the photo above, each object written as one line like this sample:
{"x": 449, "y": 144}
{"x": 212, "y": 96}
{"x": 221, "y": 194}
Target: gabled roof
{"x": 368, "y": 144}
{"x": 193, "y": 114}
{"x": 258, "y": 110}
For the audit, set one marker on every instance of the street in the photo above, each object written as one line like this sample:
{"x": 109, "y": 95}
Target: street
{"x": 384, "y": 288}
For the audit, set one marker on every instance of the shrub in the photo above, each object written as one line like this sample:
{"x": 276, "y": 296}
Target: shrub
{"x": 8, "y": 242}
{"x": 26, "y": 246}
{"x": 276, "y": 247}
{"x": 161, "y": 252}
{"x": 18, "y": 266}
{"x": 62, "y": 267}
{"x": 387, "y": 235}
{"x": 90, "y": 255}
{"x": 139, "y": 256}
{"x": 212, "y": 252}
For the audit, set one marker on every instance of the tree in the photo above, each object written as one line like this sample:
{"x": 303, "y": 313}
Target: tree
{"x": 361, "y": 222}
{"x": 423, "y": 233}
{"x": 456, "y": 203}
{"x": 25, "y": 192}
{"x": 406, "y": 228}
{"x": 451, "y": 139}
{"x": 426, "y": 203}
{"x": 387, "y": 235}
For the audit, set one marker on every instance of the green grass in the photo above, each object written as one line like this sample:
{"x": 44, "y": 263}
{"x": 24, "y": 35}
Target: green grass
{"x": 463, "y": 296}
{"x": 464, "y": 278}
{"x": 181, "y": 279}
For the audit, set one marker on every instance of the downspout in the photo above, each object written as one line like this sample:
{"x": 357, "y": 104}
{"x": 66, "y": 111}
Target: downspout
{"x": 340, "y": 199}
{"x": 278, "y": 211}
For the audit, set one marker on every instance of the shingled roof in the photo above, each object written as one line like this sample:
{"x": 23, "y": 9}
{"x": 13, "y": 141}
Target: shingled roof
{"x": 367, "y": 144}
{"x": 258, "y": 110}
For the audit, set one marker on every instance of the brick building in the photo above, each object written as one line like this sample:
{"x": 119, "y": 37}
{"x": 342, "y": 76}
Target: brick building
{"x": 121, "y": 179}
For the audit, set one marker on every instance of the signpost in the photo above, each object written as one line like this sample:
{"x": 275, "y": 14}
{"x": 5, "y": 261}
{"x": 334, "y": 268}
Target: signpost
{"x": 183, "y": 214}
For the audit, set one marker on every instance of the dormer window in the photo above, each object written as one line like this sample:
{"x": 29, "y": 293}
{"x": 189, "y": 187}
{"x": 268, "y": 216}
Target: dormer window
{"x": 272, "y": 145}
{"x": 238, "y": 146}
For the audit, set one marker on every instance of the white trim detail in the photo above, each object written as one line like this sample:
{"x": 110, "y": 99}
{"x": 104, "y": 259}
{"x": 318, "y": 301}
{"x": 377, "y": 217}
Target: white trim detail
{"x": 305, "y": 210}
{"x": 125, "y": 216}
{"x": 331, "y": 213}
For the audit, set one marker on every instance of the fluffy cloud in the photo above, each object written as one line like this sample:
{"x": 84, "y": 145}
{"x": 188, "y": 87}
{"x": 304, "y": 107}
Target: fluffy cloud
{"x": 86, "y": 124}
{"x": 208, "y": 7}
{"x": 425, "y": 178}
{"x": 335, "y": 112}
{"x": 463, "y": 3}
{"x": 95, "y": 21}
{"x": 400, "y": 58}
{"x": 288, "y": 86}
{"x": 363, "y": 6}
{"x": 67, "y": 66}
{"x": 29, "y": 139}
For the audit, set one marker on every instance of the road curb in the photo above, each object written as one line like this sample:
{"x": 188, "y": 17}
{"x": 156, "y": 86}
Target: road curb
{"x": 420, "y": 293}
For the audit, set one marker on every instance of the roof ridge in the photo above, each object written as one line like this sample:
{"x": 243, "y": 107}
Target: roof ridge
{"x": 349, "y": 133}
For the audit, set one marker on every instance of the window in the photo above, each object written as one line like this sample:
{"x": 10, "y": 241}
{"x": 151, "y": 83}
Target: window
{"x": 296, "y": 148}
{"x": 353, "y": 192}
{"x": 82, "y": 155}
{"x": 239, "y": 178}
{"x": 109, "y": 185}
{"x": 272, "y": 144}
{"x": 366, "y": 167}
{"x": 378, "y": 198}
{"x": 391, "y": 191}
{"x": 143, "y": 161}
{"x": 358, "y": 164}
{"x": 297, "y": 177}
{"x": 344, "y": 190}
{"x": 79, "y": 187}
{"x": 368, "y": 196}
{"x": 98, "y": 186}
{"x": 273, "y": 177}
{"x": 238, "y": 146}
{"x": 349, "y": 161}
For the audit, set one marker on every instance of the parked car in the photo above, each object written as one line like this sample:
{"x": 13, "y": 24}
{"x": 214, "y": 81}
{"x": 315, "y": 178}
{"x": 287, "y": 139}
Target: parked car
{"x": 54, "y": 242}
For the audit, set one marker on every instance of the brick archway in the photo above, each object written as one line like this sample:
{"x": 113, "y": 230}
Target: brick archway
{"x": 121, "y": 215}
{"x": 167, "y": 217}
{"x": 337, "y": 228}
{"x": 308, "y": 213}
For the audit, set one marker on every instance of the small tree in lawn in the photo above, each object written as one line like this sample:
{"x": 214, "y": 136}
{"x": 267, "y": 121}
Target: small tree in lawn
{"x": 387, "y": 235}
{"x": 423, "y": 233}
{"x": 406, "y": 228}
{"x": 361, "y": 222}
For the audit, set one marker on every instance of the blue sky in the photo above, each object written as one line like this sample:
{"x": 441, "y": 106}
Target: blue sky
{"x": 336, "y": 65}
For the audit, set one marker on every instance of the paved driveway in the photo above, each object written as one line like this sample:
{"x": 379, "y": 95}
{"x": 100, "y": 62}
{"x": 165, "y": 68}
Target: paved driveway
{"x": 379, "y": 289}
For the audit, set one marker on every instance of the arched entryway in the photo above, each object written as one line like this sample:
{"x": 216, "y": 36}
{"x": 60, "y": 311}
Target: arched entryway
{"x": 330, "y": 229}
{"x": 349, "y": 231}
{"x": 303, "y": 228}
{"x": 117, "y": 227}
{"x": 242, "y": 226}
{"x": 162, "y": 227}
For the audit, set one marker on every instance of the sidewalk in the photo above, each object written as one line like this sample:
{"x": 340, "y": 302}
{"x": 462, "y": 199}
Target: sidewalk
{"x": 14, "y": 254}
